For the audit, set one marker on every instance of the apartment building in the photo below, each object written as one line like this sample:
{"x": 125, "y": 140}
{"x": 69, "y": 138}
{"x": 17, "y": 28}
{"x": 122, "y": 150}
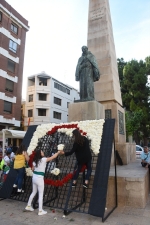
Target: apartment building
{"x": 47, "y": 100}
{"x": 13, "y": 28}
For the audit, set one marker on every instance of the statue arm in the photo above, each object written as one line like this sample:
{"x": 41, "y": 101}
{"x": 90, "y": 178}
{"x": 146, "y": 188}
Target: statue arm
{"x": 96, "y": 73}
{"x": 77, "y": 74}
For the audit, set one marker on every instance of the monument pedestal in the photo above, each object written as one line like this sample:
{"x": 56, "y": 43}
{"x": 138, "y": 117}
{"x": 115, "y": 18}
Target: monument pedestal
{"x": 90, "y": 110}
{"x": 126, "y": 150}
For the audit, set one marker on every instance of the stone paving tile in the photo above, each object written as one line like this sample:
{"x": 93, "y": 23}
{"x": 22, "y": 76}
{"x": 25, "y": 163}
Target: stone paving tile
{"x": 13, "y": 213}
{"x": 145, "y": 221}
{"x": 124, "y": 219}
{"x": 133, "y": 211}
{"x": 146, "y": 213}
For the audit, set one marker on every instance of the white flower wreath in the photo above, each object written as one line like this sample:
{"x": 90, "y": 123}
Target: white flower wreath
{"x": 93, "y": 129}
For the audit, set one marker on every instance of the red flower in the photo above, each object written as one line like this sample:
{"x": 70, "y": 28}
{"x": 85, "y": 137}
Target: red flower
{"x": 60, "y": 183}
{"x": 31, "y": 159}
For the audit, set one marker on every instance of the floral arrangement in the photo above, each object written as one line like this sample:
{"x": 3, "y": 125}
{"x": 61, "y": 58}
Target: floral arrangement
{"x": 31, "y": 159}
{"x": 92, "y": 129}
{"x": 60, "y": 147}
{"x": 29, "y": 172}
{"x": 60, "y": 183}
{"x": 55, "y": 171}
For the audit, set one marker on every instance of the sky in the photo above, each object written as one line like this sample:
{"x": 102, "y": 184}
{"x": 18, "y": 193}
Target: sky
{"x": 58, "y": 30}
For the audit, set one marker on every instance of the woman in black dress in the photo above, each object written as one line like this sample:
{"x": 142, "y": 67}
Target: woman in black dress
{"x": 83, "y": 155}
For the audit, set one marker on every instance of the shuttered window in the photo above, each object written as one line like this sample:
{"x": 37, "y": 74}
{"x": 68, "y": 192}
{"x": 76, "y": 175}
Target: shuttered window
{"x": 30, "y": 98}
{"x": 14, "y": 28}
{"x": 56, "y": 115}
{"x": 11, "y": 66}
{"x": 57, "y": 101}
{"x": 8, "y": 107}
{"x": 9, "y": 85}
{"x": 30, "y": 113}
{"x": 41, "y": 112}
{"x": 42, "y": 97}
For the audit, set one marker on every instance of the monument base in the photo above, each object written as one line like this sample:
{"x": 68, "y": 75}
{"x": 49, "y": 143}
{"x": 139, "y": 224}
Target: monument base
{"x": 80, "y": 111}
{"x": 127, "y": 152}
{"x": 132, "y": 183}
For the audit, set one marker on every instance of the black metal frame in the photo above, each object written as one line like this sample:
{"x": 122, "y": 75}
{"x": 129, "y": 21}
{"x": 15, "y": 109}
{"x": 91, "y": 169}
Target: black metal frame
{"x": 116, "y": 196}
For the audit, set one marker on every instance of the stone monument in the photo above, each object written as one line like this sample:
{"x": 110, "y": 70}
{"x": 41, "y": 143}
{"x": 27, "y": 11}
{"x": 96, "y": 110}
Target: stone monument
{"x": 87, "y": 72}
{"x": 100, "y": 42}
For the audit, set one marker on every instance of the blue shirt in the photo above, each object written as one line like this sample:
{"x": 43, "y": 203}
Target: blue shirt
{"x": 145, "y": 156}
{"x": 9, "y": 150}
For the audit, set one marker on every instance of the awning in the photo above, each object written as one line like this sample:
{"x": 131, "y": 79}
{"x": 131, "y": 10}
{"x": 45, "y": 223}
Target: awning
{"x": 13, "y": 133}
{"x": 5, "y": 133}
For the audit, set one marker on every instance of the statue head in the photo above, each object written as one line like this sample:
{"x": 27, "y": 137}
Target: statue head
{"x": 84, "y": 49}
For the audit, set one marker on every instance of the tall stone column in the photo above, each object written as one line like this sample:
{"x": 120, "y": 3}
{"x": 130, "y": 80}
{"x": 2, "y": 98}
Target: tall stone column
{"x": 100, "y": 42}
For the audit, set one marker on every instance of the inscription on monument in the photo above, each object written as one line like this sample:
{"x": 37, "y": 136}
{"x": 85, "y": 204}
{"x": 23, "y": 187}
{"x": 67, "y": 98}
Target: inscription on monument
{"x": 108, "y": 114}
{"x": 121, "y": 122}
{"x": 97, "y": 14}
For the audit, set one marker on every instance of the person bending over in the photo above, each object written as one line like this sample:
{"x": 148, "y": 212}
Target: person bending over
{"x": 83, "y": 155}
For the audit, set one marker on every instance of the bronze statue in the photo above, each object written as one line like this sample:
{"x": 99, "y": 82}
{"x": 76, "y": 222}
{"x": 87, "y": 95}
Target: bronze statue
{"x": 87, "y": 73}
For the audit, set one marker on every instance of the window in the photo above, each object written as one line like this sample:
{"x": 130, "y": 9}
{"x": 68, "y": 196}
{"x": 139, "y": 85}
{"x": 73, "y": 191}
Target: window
{"x": 30, "y": 98}
{"x": 13, "y": 46}
{"x": 68, "y": 91}
{"x": 8, "y": 107}
{"x": 57, "y": 101}
{"x": 14, "y": 28}
{"x": 41, "y": 112}
{"x": 11, "y": 66}
{"x": 0, "y": 16}
{"x": 42, "y": 97}
{"x": 43, "y": 81}
{"x": 68, "y": 104}
{"x": 30, "y": 113}
{"x": 61, "y": 88}
{"x": 9, "y": 85}
{"x": 56, "y": 115}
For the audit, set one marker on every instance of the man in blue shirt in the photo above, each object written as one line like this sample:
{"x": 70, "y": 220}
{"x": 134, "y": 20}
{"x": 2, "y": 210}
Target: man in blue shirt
{"x": 145, "y": 157}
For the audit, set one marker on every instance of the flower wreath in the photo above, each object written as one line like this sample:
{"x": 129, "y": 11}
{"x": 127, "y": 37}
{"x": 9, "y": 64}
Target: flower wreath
{"x": 92, "y": 129}
{"x": 56, "y": 183}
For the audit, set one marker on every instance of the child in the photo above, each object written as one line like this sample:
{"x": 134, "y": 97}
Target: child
{"x": 39, "y": 165}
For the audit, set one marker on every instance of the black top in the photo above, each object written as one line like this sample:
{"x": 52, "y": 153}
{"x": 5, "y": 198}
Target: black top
{"x": 82, "y": 152}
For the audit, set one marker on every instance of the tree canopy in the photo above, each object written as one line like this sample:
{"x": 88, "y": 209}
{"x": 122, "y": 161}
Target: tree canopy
{"x": 135, "y": 96}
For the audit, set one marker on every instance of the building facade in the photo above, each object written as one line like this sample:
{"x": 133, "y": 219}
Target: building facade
{"x": 47, "y": 100}
{"x": 13, "y": 28}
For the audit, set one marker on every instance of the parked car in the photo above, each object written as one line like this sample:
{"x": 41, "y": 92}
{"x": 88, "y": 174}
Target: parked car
{"x": 139, "y": 150}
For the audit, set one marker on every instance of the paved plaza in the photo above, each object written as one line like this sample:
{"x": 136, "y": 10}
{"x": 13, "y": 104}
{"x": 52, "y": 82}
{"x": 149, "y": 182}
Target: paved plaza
{"x": 13, "y": 213}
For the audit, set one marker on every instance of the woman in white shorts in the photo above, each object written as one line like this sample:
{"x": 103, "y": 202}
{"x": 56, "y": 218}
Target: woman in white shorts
{"x": 39, "y": 165}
